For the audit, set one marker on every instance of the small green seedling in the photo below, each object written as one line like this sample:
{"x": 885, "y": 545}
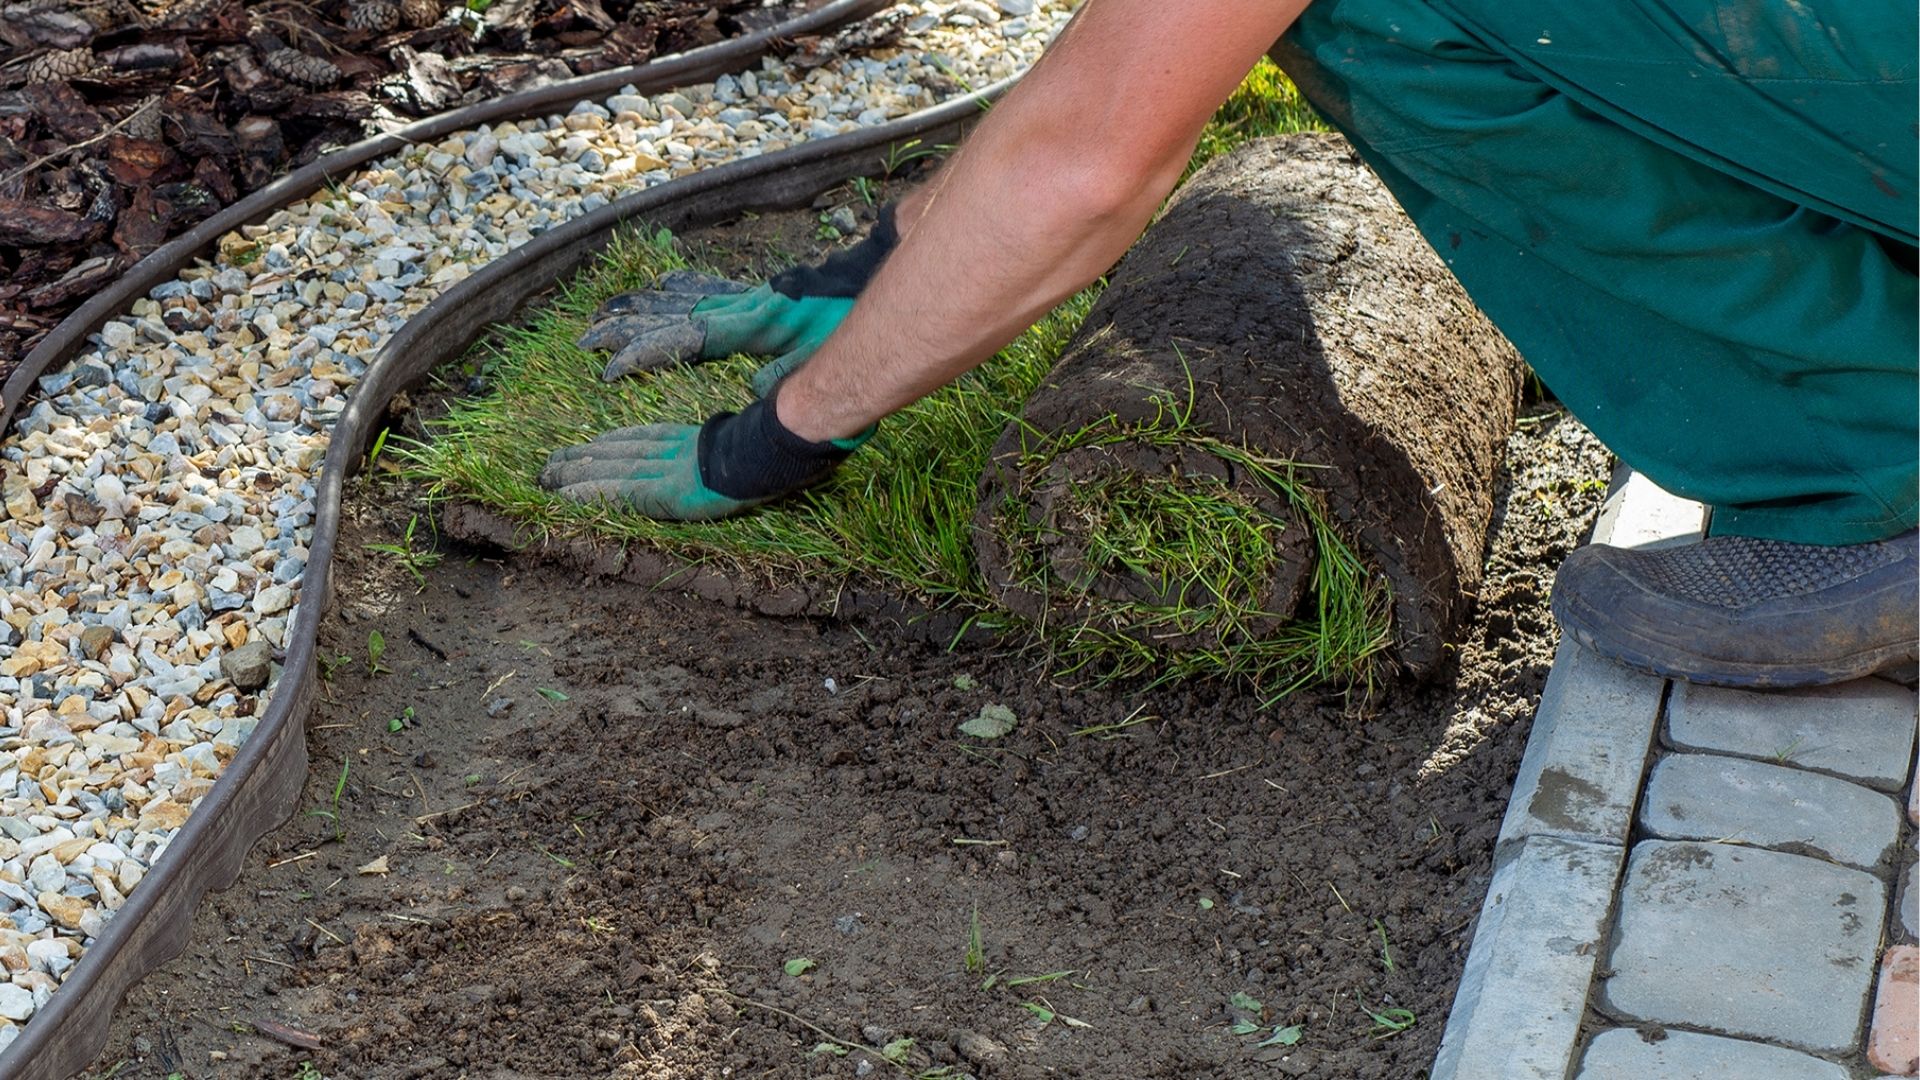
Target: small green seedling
{"x": 1390, "y": 1022}
{"x": 1386, "y": 950}
{"x": 964, "y": 682}
{"x": 376, "y": 648}
{"x": 1046, "y": 1014}
{"x": 332, "y": 812}
{"x": 900, "y": 155}
{"x": 401, "y": 722}
{"x": 415, "y": 560}
{"x": 1282, "y": 1036}
{"x": 562, "y": 860}
{"x": 975, "y": 959}
{"x": 332, "y": 664}
{"x": 551, "y": 694}
{"x": 828, "y": 1048}
{"x": 798, "y": 966}
{"x": 1206, "y": 904}
{"x": 896, "y": 1051}
{"x": 373, "y": 454}
{"x": 1029, "y": 980}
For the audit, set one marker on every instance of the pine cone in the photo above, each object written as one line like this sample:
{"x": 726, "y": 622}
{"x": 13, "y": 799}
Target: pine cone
{"x": 373, "y": 16}
{"x": 61, "y": 65}
{"x": 420, "y": 14}
{"x": 294, "y": 66}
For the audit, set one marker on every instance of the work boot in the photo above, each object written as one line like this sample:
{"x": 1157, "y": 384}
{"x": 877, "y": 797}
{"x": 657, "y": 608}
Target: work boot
{"x": 1736, "y": 611}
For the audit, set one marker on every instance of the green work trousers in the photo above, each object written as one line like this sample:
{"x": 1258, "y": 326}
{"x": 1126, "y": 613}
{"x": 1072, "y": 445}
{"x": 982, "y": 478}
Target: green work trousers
{"x": 1694, "y": 218}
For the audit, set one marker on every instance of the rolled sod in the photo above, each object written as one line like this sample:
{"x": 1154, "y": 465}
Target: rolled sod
{"x": 1279, "y": 424}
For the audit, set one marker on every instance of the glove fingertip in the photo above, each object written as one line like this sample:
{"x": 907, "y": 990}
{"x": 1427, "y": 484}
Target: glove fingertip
{"x": 666, "y": 346}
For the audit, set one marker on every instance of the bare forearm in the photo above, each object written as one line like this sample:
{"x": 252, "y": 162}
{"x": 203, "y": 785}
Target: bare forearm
{"x": 1047, "y": 194}
{"x": 1019, "y": 233}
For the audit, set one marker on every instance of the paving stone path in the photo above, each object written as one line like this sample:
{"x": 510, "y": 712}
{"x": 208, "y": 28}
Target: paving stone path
{"x": 1694, "y": 883}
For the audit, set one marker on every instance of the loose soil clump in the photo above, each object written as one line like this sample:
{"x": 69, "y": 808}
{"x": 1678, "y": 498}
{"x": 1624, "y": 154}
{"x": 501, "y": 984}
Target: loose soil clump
{"x": 630, "y": 833}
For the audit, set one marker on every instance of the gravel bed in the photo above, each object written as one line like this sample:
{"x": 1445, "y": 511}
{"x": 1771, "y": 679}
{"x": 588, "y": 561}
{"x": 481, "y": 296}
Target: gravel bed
{"x": 159, "y": 497}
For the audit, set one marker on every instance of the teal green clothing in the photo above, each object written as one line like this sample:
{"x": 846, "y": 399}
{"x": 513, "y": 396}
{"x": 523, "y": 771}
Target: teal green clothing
{"x": 1694, "y": 219}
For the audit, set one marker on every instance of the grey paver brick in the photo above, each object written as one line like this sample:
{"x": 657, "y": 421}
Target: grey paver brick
{"x": 1754, "y": 943}
{"x": 1712, "y": 797}
{"x": 1524, "y": 992}
{"x": 1641, "y": 514}
{"x": 1622, "y": 1054}
{"x": 1862, "y": 729}
{"x": 1581, "y": 773}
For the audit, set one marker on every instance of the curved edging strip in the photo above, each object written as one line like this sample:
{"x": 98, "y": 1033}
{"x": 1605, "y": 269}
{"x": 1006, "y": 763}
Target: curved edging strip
{"x": 694, "y": 66}
{"x": 258, "y": 789}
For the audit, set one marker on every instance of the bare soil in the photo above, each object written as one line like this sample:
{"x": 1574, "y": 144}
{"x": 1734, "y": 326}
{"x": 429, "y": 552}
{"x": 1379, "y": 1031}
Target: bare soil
{"x": 610, "y": 815}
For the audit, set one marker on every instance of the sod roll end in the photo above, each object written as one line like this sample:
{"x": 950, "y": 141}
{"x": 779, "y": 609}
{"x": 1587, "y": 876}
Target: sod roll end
{"x": 1270, "y": 449}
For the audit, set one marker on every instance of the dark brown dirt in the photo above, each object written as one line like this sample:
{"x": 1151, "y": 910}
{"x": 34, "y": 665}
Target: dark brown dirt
{"x": 605, "y": 877}
{"x": 1287, "y": 304}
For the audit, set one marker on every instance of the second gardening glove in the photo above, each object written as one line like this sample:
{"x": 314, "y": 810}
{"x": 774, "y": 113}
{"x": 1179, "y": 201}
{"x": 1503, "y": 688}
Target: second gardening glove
{"x": 684, "y": 472}
{"x": 690, "y": 317}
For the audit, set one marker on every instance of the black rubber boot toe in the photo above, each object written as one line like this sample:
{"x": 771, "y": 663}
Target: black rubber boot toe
{"x": 1737, "y": 611}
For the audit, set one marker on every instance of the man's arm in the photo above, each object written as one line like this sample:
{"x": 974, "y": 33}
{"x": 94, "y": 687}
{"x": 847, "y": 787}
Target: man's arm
{"x": 1046, "y": 194}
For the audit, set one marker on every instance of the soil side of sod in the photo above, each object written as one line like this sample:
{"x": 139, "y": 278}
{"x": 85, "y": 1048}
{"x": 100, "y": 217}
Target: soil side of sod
{"x": 614, "y": 818}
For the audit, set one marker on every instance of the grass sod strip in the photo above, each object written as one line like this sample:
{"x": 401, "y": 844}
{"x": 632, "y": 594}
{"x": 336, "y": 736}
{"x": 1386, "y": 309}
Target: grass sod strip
{"x": 900, "y": 512}
{"x": 896, "y": 511}
{"x": 1169, "y": 574}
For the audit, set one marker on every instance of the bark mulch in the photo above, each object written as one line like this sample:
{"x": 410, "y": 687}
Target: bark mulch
{"x": 125, "y": 122}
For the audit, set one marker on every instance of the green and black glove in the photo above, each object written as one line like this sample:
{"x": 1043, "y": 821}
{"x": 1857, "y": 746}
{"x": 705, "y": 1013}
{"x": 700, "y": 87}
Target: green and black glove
{"x": 684, "y": 472}
{"x": 690, "y": 317}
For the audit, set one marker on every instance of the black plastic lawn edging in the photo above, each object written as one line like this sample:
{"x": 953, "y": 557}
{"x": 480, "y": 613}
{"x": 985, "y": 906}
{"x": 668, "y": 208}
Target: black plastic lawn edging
{"x": 260, "y": 787}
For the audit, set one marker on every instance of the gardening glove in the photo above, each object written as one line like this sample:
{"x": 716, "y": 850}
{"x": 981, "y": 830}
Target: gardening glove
{"x": 690, "y": 317}
{"x": 683, "y": 472}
